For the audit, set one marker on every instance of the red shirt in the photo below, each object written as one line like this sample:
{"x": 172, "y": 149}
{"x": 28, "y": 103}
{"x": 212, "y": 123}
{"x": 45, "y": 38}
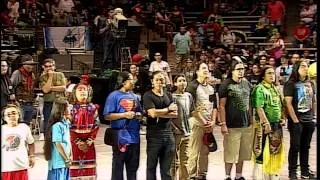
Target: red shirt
{"x": 301, "y": 32}
{"x": 276, "y": 10}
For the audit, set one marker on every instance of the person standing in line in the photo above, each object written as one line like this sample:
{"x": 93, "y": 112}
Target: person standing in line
{"x": 181, "y": 127}
{"x": 53, "y": 85}
{"x": 23, "y": 81}
{"x": 182, "y": 43}
{"x": 57, "y": 146}
{"x": 234, "y": 94}
{"x": 83, "y": 132}
{"x": 17, "y": 145}
{"x": 267, "y": 101}
{"x": 159, "y": 106}
{"x": 299, "y": 95}
{"x": 202, "y": 121}
{"x": 122, "y": 107}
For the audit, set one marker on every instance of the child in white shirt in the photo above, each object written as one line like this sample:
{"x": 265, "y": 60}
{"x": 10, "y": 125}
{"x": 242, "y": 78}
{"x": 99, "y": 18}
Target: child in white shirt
{"x": 17, "y": 147}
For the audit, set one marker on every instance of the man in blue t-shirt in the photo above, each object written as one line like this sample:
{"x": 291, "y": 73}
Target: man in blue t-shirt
{"x": 121, "y": 109}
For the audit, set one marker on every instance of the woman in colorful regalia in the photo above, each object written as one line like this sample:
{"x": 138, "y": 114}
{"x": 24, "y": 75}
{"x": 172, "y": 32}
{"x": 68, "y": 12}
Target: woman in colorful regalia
{"x": 83, "y": 132}
{"x": 268, "y": 141}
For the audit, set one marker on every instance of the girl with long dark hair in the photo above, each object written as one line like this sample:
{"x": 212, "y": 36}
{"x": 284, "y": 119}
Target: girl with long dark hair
{"x": 57, "y": 146}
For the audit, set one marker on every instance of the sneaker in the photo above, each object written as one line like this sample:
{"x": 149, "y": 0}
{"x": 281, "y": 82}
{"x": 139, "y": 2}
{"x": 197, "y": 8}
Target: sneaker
{"x": 308, "y": 175}
{"x": 293, "y": 176}
{"x": 41, "y": 137}
{"x": 143, "y": 131}
{"x": 241, "y": 178}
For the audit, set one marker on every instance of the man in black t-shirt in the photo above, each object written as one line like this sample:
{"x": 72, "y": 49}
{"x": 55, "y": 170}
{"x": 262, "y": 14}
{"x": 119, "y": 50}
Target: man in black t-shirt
{"x": 160, "y": 139}
{"x": 234, "y": 94}
{"x": 299, "y": 96}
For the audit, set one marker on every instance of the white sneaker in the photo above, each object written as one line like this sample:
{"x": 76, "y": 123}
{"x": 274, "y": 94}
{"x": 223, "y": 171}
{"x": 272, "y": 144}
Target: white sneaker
{"x": 257, "y": 172}
{"x": 41, "y": 137}
{"x": 143, "y": 131}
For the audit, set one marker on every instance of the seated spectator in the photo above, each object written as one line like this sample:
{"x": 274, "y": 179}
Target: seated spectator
{"x": 66, "y": 5}
{"x": 212, "y": 28}
{"x": 277, "y": 47}
{"x": 301, "y": 34}
{"x": 55, "y": 8}
{"x": 34, "y": 14}
{"x": 176, "y": 18}
{"x": 195, "y": 40}
{"x": 306, "y": 55}
{"x": 262, "y": 27}
{"x": 227, "y": 37}
{"x": 225, "y": 7}
{"x": 74, "y": 18}
{"x": 241, "y": 5}
{"x": 308, "y": 13}
{"x": 13, "y": 7}
{"x": 60, "y": 19}
{"x": 162, "y": 21}
{"x": 276, "y": 12}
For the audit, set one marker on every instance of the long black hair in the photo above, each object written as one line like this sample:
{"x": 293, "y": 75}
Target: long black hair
{"x": 295, "y": 71}
{"x": 57, "y": 113}
{"x": 235, "y": 61}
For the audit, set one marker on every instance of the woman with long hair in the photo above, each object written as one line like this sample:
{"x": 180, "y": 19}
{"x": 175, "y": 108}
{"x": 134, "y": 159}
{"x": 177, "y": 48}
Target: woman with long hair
{"x": 299, "y": 94}
{"x": 268, "y": 146}
{"x": 57, "y": 146}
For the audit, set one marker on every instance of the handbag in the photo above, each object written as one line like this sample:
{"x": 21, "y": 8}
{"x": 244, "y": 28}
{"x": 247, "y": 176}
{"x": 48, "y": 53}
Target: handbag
{"x": 111, "y": 137}
{"x": 115, "y": 137}
{"x": 210, "y": 141}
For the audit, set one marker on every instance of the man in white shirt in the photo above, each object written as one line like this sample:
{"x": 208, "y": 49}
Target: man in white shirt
{"x": 160, "y": 65}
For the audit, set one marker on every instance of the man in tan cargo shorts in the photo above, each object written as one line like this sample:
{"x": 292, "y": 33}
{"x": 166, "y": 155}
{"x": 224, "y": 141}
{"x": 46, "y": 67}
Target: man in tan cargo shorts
{"x": 234, "y": 94}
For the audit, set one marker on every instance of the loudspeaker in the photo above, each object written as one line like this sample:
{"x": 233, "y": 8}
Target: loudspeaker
{"x": 158, "y": 46}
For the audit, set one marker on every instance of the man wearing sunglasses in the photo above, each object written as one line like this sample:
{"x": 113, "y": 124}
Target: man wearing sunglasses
{"x": 53, "y": 85}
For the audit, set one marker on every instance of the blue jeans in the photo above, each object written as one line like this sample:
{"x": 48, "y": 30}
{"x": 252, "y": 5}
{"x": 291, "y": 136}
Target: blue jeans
{"x": 130, "y": 158}
{"x": 27, "y": 112}
{"x": 47, "y": 107}
{"x": 160, "y": 146}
